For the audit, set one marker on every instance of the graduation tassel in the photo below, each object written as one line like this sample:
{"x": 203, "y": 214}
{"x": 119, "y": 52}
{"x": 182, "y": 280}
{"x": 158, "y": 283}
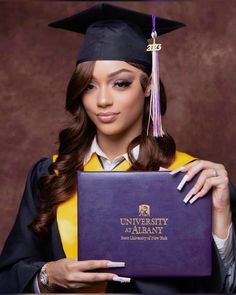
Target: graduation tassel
{"x": 155, "y": 108}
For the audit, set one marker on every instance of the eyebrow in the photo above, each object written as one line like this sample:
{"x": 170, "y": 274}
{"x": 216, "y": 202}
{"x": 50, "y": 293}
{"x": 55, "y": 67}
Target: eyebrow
{"x": 118, "y": 72}
{"x": 111, "y": 75}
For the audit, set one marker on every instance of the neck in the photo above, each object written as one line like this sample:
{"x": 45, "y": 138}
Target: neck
{"x": 114, "y": 145}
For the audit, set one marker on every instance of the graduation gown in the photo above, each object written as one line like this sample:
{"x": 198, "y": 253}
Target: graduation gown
{"x": 24, "y": 253}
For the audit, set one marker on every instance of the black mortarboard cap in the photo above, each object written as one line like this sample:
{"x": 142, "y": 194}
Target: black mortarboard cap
{"x": 115, "y": 33}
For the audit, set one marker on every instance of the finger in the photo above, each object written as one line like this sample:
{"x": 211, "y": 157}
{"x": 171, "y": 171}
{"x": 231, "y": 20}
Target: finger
{"x": 91, "y": 264}
{"x": 205, "y": 174}
{"x": 184, "y": 168}
{"x": 182, "y": 182}
{"x": 191, "y": 169}
{"x": 207, "y": 177}
{"x": 209, "y": 183}
{"x": 175, "y": 171}
{"x": 220, "y": 181}
{"x": 100, "y": 277}
{"x": 95, "y": 264}
{"x": 116, "y": 264}
{"x": 189, "y": 195}
{"x": 194, "y": 163}
{"x": 199, "y": 165}
{"x": 195, "y": 168}
{"x": 210, "y": 172}
{"x": 121, "y": 279}
{"x": 197, "y": 196}
{"x": 91, "y": 277}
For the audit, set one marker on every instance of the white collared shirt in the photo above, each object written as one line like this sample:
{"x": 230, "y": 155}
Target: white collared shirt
{"x": 108, "y": 164}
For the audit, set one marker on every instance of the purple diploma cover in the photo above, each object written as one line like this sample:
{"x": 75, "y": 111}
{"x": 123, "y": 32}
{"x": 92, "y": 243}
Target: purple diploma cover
{"x": 140, "y": 218}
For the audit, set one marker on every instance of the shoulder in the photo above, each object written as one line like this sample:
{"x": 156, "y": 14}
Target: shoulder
{"x": 181, "y": 159}
{"x": 30, "y": 194}
{"x": 39, "y": 169}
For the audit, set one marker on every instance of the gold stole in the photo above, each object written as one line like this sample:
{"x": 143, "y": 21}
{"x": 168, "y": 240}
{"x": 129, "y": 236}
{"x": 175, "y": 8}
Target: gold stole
{"x": 67, "y": 211}
{"x": 67, "y": 220}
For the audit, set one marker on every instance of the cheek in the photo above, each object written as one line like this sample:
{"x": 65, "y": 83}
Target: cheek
{"x": 87, "y": 104}
{"x": 134, "y": 101}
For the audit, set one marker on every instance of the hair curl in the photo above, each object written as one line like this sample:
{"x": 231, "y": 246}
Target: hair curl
{"x": 76, "y": 139}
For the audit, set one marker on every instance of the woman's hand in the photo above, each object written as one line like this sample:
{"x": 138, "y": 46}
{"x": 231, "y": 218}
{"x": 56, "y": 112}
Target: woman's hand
{"x": 70, "y": 274}
{"x": 212, "y": 176}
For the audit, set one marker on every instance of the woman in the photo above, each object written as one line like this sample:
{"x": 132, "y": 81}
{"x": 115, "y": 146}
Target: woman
{"x": 109, "y": 99}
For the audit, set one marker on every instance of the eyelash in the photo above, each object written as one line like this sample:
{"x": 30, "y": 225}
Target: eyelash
{"x": 122, "y": 83}
{"x": 118, "y": 84}
{"x": 89, "y": 87}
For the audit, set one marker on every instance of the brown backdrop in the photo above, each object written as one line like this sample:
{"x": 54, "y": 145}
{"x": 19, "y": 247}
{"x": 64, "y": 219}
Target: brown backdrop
{"x": 198, "y": 67}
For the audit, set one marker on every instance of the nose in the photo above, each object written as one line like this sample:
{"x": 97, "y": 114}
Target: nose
{"x": 104, "y": 98}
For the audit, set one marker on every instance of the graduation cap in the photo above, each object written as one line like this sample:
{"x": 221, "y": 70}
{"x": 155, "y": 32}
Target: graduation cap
{"x": 114, "y": 33}
{"x": 117, "y": 33}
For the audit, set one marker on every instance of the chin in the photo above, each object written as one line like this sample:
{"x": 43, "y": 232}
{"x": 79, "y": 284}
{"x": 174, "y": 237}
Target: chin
{"x": 116, "y": 133}
{"x": 109, "y": 130}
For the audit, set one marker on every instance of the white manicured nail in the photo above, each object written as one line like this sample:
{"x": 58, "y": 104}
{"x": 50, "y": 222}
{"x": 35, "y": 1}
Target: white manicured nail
{"x": 182, "y": 182}
{"x": 121, "y": 279}
{"x": 175, "y": 171}
{"x": 115, "y": 264}
{"x": 188, "y": 197}
{"x": 195, "y": 198}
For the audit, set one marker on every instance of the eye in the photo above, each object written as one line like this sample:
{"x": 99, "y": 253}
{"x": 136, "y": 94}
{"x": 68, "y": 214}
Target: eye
{"x": 89, "y": 87}
{"x": 122, "y": 83}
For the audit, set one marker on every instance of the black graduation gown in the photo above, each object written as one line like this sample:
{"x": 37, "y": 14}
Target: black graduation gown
{"x": 24, "y": 253}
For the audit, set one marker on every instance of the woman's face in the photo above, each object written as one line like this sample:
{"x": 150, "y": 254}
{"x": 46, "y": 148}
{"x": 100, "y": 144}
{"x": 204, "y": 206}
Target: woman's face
{"x": 114, "y": 100}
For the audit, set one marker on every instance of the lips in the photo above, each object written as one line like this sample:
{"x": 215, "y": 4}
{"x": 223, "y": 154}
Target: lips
{"x": 107, "y": 117}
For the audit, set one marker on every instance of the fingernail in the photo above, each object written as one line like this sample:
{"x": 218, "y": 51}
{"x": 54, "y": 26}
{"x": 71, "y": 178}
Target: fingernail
{"x": 182, "y": 182}
{"x": 175, "y": 171}
{"x": 188, "y": 197}
{"x": 121, "y": 279}
{"x": 195, "y": 198}
{"x": 115, "y": 264}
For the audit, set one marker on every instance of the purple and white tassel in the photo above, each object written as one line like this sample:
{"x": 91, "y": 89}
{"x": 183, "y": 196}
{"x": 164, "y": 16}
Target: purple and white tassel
{"x": 155, "y": 109}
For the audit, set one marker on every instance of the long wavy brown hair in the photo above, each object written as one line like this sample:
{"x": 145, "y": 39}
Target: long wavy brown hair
{"x": 75, "y": 142}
